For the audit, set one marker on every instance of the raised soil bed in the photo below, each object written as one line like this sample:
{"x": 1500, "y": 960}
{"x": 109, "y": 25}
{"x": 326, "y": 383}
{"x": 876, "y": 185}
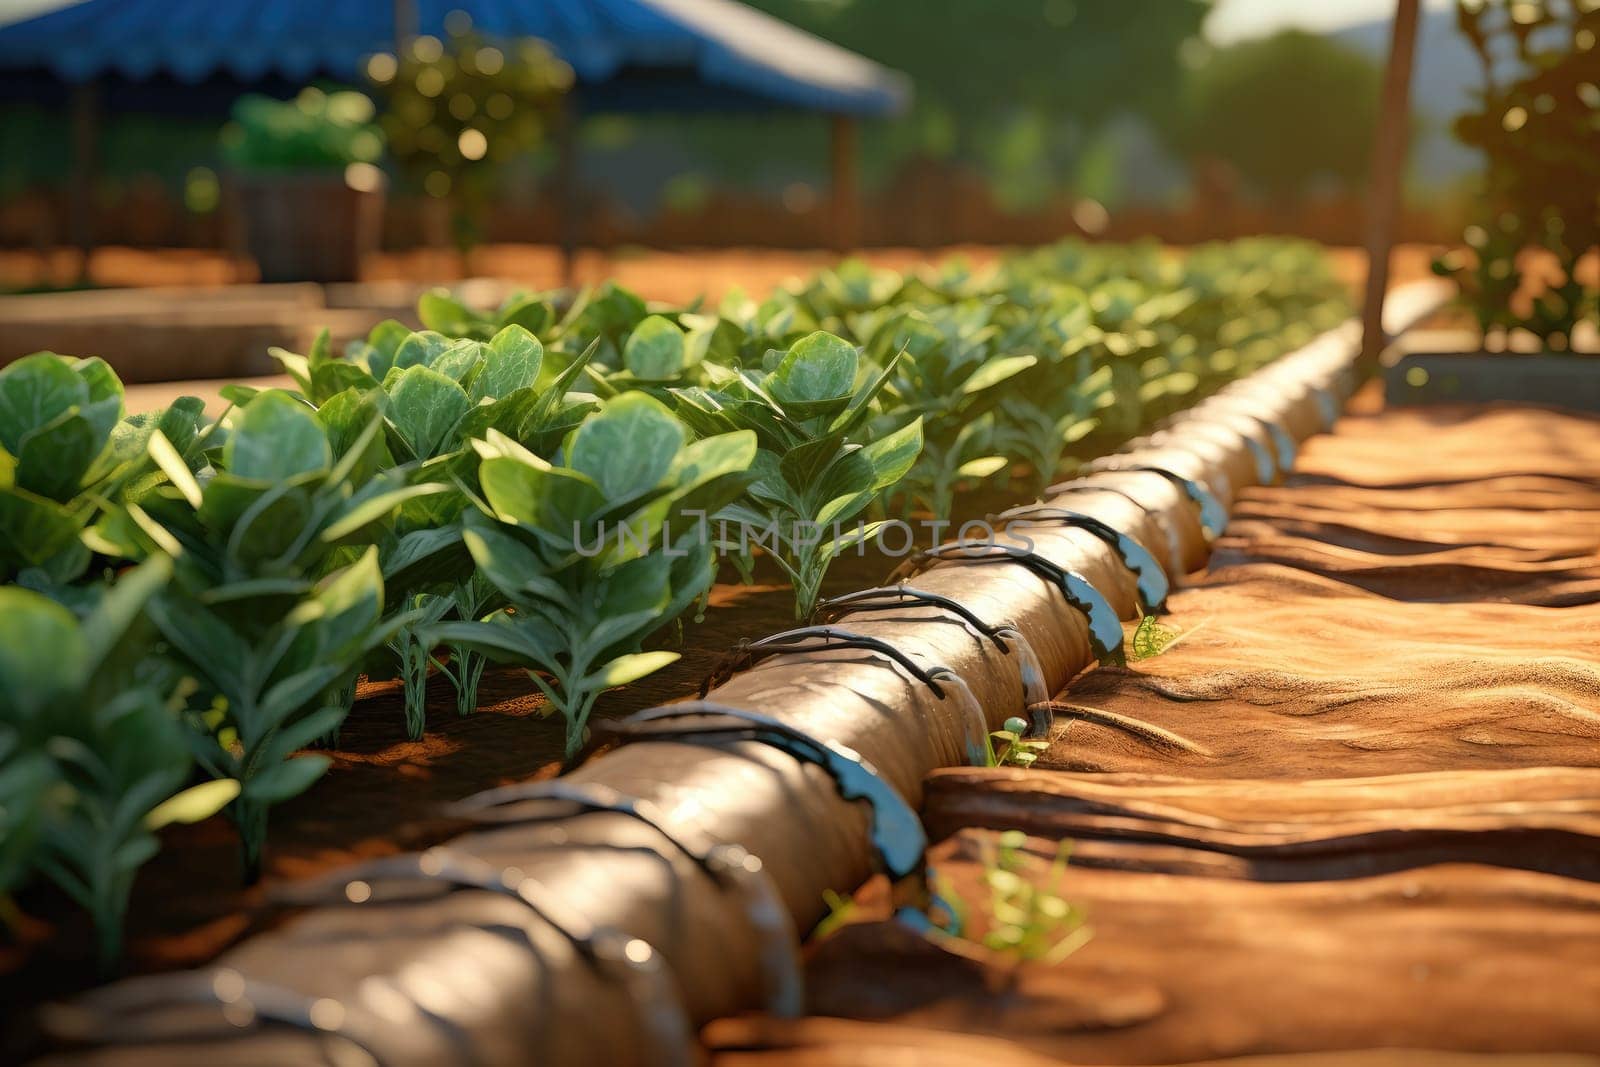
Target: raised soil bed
{"x": 1356, "y": 811}
{"x": 715, "y": 951}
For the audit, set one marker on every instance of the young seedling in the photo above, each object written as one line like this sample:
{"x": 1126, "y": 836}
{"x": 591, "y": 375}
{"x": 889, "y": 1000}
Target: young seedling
{"x": 267, "y": 612}
{"x": 595, "y": 553}
{"x": 57, "y": 417}
{"x": 443, "y": 313}
{"x": 435, "y": 395}
{"x": 91, "y": 728}
{"x": 1013, "y": 748}
{"x": 812, "y": 474}
{"x": 1024, "y": 917}
{"x": 954, "y": 377}
{"x": 1151, "y": 638}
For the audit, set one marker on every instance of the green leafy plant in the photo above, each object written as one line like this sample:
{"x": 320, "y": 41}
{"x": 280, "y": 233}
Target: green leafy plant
{"x": 57, "y": 418}
{"x": 600, "y": 319}
{"x": 596, "y": 552}
{"x": 1023, "y": 917}
{"x": 443, "y": 313}
{"x": 1539, "y": 131}
{"x": 952, "y": 377}
{"x": 456, "y": 110}
{"x": 90, "y": 728}
{"x": 812, "y": 473}
{"x": 1013, "y": 747}
{"x": 1151, "y": 638}
{"x": 267, "y": 610}
{"x": 449, "y": 489}
{"x": 314, "y": 131}
{"x": 434, "y": 394}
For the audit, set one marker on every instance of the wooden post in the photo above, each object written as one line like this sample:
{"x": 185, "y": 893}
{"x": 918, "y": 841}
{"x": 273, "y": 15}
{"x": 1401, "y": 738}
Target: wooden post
{"x": 846, "y": 198}
{"x": 405, "y": 25}
{"x": 1388, "y": 166}
{"x": 568, "y": 208}
{"x": 85, "y": 170}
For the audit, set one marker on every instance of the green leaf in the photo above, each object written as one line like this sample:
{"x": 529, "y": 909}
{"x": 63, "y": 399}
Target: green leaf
{"x": 194, "y": 804}
{"x": 460, "y": 360}
{"x": 121, "y": 607}
{"x": 239, "y": 395}
{"x": 34, "y": 391}
{"x": 102, "y": 381}
{"x": 894, "y": 455}
{"x": 629, "y": 447}
{"x": 418, "y": 349}
{"x": 270, "y": 526}
{"x": 42, "y": 651}
{"x": 441, "y": 312}
{"x": 630, "y": 668}
{"x": 424, "y": 557}
{"x": 817, "y": 368}
{"x": 321, "y": 347}
{"x": 55, "y": 457}
{"x": 334, "y": 377}
{"x": 529, "y": 312}
{"x": 996, "y": 371}
{"x": 551, "y": 498}
{"x": 33, "y": 528}
{"x": 278, "y": 782}
{"x": 294, "y": 365}
{"x": 424, "y": 407}
{"x": 655, "y": 351}
{"x": 982, "y": 467}
{"x": 376, "y": 508}
{"x": 173, "y": 466}
{"x": 275, "y": 437}
{"x": 512, "y": 361}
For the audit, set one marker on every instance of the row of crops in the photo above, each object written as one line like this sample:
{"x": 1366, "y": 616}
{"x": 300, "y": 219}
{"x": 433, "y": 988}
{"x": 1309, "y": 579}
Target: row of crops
{"x": 189, "y": 603}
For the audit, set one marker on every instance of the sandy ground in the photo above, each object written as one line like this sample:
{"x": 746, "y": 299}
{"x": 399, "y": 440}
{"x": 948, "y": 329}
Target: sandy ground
{"x": 661, "y": 275}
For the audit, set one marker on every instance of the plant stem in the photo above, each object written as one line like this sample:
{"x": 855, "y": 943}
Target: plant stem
{"x": 342, "y": 697}
{"x": 110, "y": 912}
{"x": 577, "y": 722}
{"x": 414, "y": 678}
{"x": 251, "y": 820}
{"x": 468, "y": 673}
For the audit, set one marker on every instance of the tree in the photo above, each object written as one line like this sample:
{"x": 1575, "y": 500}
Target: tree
{"x": 1283, "y": 111}
{"x": 1539, "y": 131}
{"x": 456, "y": 110}
{"x": 983, "y": 73}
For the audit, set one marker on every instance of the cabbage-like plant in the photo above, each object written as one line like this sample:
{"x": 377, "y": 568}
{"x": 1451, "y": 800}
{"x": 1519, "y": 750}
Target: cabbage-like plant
{"x": 952, "y": 376}
{"x": 451, "y": 394}
{"x": 595, "y": 553}
{"x": 443, "y": 313}
{"x": 267, "y": 612}
{"x": 853, "y": 286}
{"x": 600, "y": 318}
{"x": 660, "y": 353}
{"x": 436, "y": 393}
{"x": 812, "y": 473}
{"x": 1038, "y": 426}
{"x": 57, "y": 416}
{"x": 90, "y": 727}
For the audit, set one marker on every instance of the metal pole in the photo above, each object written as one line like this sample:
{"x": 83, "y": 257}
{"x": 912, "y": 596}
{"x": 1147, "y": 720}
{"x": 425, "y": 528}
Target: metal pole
{"x": 846, "y": 199}
{"x": 405, "y": 24}
{"x": 568, "y": 207}
{"x": 1388, "y": 164}
{"x": 85, "y": 168}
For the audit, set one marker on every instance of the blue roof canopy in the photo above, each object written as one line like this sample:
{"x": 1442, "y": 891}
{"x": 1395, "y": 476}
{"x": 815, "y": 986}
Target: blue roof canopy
{"x": 629, "y": 55}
